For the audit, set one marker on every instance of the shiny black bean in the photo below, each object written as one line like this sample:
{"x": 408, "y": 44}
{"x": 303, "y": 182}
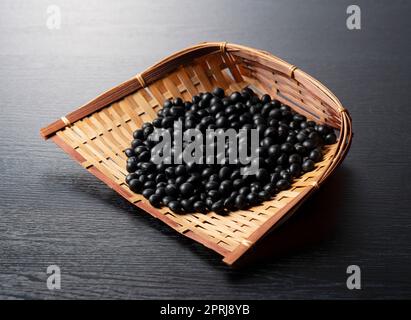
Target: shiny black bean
{"x": 129, "y": 152}
{"x": 174, "y": 206}
{"x": 225, "y": 187}
{"x": 294, "y": 158}
{"x": 262, "y": 174}
{"x": 217, "y": 206}
{"x": 212, "y": 185}
{"x": 149, "y": 184}
{"x": 135, "y": 185}
{"x": 171, "y": 190}
{"x": 295, "y": 169}
{"x": 244, "y": 191}
{"x": 187, "y": 189}
{"x": 315, "y": 155}
{"x": 240, "y": 202}
{"x": 187, "y": 205}
{"x": 147, "y": 193}
{"x": 308, "y": 165}
{"x": 252, "y": 198}
{"x": 161, "y": 191}
{"x": 155, "y": 200}
{"x": 224, "y": 173}
{"x": 282, "y": 184}
{"x": 199, "y": 206}
{"x": 330, "y": 138}
{"x": 167, "y": 199}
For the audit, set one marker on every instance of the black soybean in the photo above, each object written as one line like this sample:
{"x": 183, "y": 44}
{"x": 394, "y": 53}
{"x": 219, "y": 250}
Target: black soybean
{"x": 217, "y": 206}
{"x": 295, "y": 169}
{"x": 187, "y": 205}
{"x": 155, "y": 200}
{"x": 167, "y": 199}
{"x": 308, "y": 165}
{"x": 199, "y": 206}
{"x": 174, "y": 206}
{"x": 129, "y": 152}
{"x": 315, "y": 155}
{"x": 240, "y": 201}
{"x": 171, "y": 190}
{"x": 186, "y": 189}
{"x": 135, "y": 185}
{"x": 147, "y": 193}
{"x": 130, "y": 177}
{"x": 282, "y": 184}
{"x": 330, "y": 138}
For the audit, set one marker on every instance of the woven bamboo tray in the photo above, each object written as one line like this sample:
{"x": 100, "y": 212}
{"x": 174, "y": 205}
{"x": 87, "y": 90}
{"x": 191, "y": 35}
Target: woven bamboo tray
{"x": 96, "y": 134}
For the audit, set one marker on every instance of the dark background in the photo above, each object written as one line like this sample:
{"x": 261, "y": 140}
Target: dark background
{"x": 54, "y": 212}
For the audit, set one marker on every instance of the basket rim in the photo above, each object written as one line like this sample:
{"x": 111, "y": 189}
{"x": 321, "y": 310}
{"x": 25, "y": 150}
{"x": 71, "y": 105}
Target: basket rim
{"x": 172, "y": 62}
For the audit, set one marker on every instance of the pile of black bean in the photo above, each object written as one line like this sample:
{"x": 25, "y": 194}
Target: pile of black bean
{"x": 289, "y": 146}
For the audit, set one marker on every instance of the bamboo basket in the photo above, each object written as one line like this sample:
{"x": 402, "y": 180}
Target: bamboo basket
{"x": 96, "y": 134}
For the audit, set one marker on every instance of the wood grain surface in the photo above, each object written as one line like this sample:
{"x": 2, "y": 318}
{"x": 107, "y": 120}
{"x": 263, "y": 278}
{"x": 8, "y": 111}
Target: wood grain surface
{"x": 53, "y": 212}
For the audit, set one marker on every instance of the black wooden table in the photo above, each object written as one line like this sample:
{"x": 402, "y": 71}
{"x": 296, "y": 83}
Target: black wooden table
{"x": 54, "y": 212}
